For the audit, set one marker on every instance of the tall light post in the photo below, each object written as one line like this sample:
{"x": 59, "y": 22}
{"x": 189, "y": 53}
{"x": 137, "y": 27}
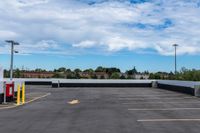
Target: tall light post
{"x": 175, "y": 63}
{"x": 12, "y": 54}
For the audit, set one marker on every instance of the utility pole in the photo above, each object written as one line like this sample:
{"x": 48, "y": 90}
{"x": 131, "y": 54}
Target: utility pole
{"x": 12, "y": 54}
{"x": 175, "y": 60}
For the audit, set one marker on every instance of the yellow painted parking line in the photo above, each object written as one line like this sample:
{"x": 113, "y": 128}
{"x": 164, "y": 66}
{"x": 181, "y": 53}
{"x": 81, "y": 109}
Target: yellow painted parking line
{"x": 168, "y": 120}
{"x": 38, "y": 98}
{"x": 8, "y": 107}
{"x": 159, "y": 109}
{"x": 15, "y": 105}
{"x": 3, "y": 105}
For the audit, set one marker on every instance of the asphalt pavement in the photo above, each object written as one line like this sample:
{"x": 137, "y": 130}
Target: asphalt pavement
{"x": 103, "y": 110}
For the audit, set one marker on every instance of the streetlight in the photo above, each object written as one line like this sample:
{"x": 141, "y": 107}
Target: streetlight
{"x": 175, "y": 47}
{"x": 12, "y": 54}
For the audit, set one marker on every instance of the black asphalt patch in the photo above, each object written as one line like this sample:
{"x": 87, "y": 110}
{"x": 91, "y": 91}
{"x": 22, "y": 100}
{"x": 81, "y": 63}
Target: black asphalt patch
{"x": 104, "y": 110}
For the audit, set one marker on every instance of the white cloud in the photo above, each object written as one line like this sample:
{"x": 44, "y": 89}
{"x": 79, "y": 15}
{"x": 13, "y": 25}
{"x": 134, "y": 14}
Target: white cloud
{"x": 7, "y": 34}
{"x": 85, "y": 44}
{"x": 49, "y": 25}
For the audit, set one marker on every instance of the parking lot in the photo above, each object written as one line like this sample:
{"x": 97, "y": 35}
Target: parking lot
{"x": 103, "y": 110}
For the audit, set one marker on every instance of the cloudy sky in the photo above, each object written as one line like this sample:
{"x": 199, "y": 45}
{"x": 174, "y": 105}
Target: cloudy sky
{"x": 89, "y": 33}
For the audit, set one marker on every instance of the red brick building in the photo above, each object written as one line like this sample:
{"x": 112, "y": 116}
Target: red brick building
{"x": 37, "y": 74}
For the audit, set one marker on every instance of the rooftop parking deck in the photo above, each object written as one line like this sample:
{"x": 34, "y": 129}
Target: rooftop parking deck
{"x": 107, "y": 109}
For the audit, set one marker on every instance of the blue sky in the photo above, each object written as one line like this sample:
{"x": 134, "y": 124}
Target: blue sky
{"x": 111, "y": 33}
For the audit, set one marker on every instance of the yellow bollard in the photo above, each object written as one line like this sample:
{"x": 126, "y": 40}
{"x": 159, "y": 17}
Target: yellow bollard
{"x": 18, "y": 94}
{"x": 23, "y": 93}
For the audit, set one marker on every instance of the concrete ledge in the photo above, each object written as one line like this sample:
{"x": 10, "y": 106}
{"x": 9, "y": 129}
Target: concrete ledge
{"x": 55, "y": 85}
{"x": 197, "y": 90}
{"x": 182, "y": 89}
{"x": 101, "y": 83}
{"x": 154, "y": 84}
{"x": 188, "y": 87}
{"x": 38, "y": 83}
{"x": 1, "y": 98}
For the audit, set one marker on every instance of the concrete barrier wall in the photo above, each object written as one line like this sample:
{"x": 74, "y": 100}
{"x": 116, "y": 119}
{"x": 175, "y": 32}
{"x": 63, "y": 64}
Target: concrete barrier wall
{"x": 181, "y": 89}
{"x": 86, "y": 82}
{"x": 101, "y": 83}
{"x": 188, "y": 87}
{"x": 189, "y": 84}
{"x": 38, "y": 82}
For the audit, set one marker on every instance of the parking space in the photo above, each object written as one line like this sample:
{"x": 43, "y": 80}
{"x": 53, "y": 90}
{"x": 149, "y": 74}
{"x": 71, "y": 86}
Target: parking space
{"x": 104, "y": 110}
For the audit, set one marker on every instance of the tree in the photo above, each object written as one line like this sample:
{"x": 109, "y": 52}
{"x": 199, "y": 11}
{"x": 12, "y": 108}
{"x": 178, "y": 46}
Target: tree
{"x": 17, "y": 73}
{"x": 56, "y": 75}
{"x": 94, "y": 76}
{"x": 129, "y": 77}
{"x": 112, "y": 70}
{"x": 146, "y": 72}
{"x": 171, "y": 76}
{"x": 122, "y": 77}
{"x": 132, "y": 71}
{"x": 89, "y": 71}
{"x": 61, "y": 69}
{"x": 68, "y": 71}
{"x": 77, "y": 73}
{"x": 39, "y": 70}
{"x": 77, "y": 70}
{"x": 99, "y": 69}
{"x": 6, "y": 73}
{"x": 102, "y": 77}
{"x": 115, "y": 75}
{"x": 155, "y": 76}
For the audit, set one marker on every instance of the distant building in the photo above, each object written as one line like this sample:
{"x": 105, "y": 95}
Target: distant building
{"x": 125, "y": 75}
{"x": 85, "y": 74}
{"x": 37, "y": 74}
{"x": 141, "y": 76}
{"x": 101, "y": 75}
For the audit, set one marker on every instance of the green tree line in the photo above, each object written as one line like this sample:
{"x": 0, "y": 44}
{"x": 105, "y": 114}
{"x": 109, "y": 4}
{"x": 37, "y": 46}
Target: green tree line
{"x": 112, "y": 73}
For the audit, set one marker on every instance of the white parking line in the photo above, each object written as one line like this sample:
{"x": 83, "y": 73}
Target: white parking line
{"x": 138, "y": 98}
{"x": 38, "y": 98}
{"x": 162, "y": 102}
{"x": 174, "y": 95}
{"x": 160, "y": 109}
{"x": 8, "y": 107}
{"x": 167, "y": 120}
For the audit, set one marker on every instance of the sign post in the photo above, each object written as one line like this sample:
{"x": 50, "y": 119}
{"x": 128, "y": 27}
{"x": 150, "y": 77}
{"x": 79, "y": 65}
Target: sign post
{"x": 4, "y": 92}
{"x": 4, "y": 84}
{"x": 1, "y": 73}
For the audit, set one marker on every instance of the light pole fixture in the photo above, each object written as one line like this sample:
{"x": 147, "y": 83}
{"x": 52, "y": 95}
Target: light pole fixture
{"x": 175, "y": 60}
{"x": 12, "y": 54}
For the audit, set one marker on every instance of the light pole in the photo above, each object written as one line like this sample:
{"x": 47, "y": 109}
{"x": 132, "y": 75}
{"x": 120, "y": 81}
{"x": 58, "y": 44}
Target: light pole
{"x": 12, "y": 54}
{"x": 175, "y": 47}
